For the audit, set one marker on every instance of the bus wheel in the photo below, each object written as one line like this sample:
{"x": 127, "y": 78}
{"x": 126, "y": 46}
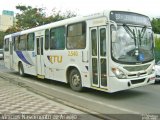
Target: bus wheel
{"x": 75, "y": 80}
{"x": 21, "y": 70}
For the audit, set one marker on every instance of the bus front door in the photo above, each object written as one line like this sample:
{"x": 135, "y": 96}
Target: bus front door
{"x": 39, "y": 59}
{"x": 99, "y": 57}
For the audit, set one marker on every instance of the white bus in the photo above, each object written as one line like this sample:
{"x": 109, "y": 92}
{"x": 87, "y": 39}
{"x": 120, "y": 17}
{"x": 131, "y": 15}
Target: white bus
{"x": 108, "y": 51}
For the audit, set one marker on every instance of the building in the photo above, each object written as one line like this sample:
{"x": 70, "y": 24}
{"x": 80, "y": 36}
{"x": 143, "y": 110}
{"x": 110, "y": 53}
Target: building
{"x": 6, "y": 20}
{"x": 7, "y": 12}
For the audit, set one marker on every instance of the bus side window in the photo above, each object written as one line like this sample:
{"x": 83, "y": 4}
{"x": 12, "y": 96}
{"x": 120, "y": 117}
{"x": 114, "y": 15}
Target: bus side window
{"x": 52, "y": 39}
{"x": 16, "y": 43}
{"x": 23, "y": 42}
{"x": 30, "y": 42}
{"x": 57, "y": 38}
{"x": 41, "y": 40}
{"x": 47, "y": 36}
{"x": 76, "y": 36}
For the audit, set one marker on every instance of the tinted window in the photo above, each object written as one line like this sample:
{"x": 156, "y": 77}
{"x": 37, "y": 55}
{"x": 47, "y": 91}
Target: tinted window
{"x": 47, "y": 39}
{"x": 30, "y": 41}
{"x": 94, "y": 42}
{"x": 57, "y": 38}
{"x": 76, "y": 37}
{"x": 23, "y": 42}
{"x": 103, "y": 41}
{"x": 16, "y": 43}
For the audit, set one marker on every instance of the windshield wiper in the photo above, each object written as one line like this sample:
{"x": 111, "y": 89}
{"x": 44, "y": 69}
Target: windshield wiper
{"x": 130, "y": 32}
{"x": 141, "y": 34}
{"x": 143, "y": 31}
{"x": 134, "y": 34}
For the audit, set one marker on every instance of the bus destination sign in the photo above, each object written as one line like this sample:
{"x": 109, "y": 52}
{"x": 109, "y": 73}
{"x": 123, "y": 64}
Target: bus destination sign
{"x": 129, "y": 18}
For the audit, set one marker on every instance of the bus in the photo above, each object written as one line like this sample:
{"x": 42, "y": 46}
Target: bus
{"x": 108, "y": 51}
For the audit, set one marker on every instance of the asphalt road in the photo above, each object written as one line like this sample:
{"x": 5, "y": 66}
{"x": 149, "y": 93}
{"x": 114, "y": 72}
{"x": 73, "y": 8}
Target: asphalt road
{"x": 137, "y": 103}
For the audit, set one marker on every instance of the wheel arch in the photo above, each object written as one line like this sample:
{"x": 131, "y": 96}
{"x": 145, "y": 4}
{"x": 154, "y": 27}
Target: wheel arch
{"x": 69, "y": 69}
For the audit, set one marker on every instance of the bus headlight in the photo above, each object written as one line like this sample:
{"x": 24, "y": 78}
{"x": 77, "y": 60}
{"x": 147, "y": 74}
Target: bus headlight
{"x": 118, "y": 73}
{"x": 152, "y": 70}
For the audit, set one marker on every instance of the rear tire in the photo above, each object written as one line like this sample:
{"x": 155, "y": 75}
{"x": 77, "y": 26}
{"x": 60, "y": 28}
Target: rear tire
{"x": 21, "y": 70}
{"x": 75, "y": 80}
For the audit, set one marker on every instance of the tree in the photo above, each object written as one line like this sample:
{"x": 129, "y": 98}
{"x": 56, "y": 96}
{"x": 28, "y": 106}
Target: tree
{"x": 29, "y": 17}
{"x": 157, "y": 49}
{"x": 156, "y": 28}
{"x": 58, "y": 15}
{"x": 12, "y": 29}
{"x": 32, "y": 17}
{"x": 156, "y": 25}
{"x": 2, "y": 34}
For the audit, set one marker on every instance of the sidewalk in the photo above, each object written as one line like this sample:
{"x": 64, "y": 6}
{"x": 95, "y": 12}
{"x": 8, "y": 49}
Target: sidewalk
{"x": 18, "y": 100}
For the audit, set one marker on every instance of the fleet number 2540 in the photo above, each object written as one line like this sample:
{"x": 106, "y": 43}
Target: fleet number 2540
{"x": 72, "y": 53}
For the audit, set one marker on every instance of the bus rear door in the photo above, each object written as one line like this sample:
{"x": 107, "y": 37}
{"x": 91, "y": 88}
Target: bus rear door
{"x": 39, "y": 57}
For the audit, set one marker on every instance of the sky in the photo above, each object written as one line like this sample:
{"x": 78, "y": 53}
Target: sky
{"x": 150, "y": 8}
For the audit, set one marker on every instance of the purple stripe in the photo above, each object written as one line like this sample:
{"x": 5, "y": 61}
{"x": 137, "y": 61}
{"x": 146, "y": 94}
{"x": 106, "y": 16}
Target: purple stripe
{"x": 21, "y": 56}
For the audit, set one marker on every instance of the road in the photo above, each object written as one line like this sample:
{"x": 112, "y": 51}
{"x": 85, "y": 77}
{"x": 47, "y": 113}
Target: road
{"x": 130, "y": 104}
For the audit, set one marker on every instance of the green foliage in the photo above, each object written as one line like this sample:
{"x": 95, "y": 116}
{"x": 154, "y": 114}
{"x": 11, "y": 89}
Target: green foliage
{"x": 2, "y": 34}
{"x": 157, "y": 43}
{"x": 157, "y": 49}
{"x": 31, "y": 17}
{"x": 12, "y": 29}
{"x": 156, "y": 25}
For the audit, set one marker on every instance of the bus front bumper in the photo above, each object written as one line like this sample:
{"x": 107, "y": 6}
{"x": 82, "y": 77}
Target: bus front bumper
{"x": 116, "y": 84}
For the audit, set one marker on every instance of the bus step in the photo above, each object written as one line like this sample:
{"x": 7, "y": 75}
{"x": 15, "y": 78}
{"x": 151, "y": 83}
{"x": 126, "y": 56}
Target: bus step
{"x": 41, "y": 76}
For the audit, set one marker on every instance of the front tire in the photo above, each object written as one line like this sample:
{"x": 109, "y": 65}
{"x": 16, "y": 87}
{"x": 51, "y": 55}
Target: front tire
{"x": 21, "y": 70}
{"x": 75, "y": 80}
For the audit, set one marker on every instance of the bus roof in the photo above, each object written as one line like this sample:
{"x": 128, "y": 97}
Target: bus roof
{"x": 105, "y": 13}
{"x": 59, "y": 23}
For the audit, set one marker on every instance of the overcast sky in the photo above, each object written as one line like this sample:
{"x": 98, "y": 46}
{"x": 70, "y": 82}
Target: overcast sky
{"x": 84, "y": 7}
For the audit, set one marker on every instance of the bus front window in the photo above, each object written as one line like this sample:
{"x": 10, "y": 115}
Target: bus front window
{"x": 132, "y": 44}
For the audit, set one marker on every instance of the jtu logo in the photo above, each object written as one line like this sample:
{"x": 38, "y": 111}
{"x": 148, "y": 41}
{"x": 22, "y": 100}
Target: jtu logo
{"x": 55, "y": 59}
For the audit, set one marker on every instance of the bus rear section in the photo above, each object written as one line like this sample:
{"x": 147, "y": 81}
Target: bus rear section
{"x": 8, "y": 52}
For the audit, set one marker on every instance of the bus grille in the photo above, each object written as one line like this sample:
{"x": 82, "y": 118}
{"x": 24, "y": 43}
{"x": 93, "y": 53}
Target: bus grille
{"x": 137, "y": 75}
{"x": 136, "y": 68}
{"x": 137, "y": 81}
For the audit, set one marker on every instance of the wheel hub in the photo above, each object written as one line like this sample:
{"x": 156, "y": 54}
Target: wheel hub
{"x": 76, "y": 80}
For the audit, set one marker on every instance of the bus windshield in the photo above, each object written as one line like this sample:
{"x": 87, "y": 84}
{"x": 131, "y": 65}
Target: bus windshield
{"x": 132, "y": 44}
